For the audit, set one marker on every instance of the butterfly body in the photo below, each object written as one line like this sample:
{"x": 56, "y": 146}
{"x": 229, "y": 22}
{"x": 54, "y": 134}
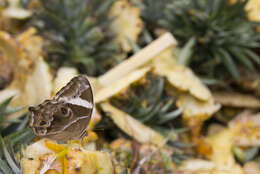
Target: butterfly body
{"x": 67, "y": 115}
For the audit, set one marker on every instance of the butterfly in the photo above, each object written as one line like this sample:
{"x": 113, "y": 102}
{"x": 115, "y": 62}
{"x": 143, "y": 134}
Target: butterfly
{"x": 67, "y": 115}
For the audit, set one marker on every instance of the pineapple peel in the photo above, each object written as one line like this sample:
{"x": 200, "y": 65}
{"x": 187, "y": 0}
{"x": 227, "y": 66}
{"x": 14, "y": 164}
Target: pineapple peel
{"x": 14, "y": 10}
{"x": 184, "y": 79}
{"x": 57, "y": 148}
{"x": 30, "y": 70}
{"x": 40, "y": 157}
{"x": 193, "y": 107}
{"x": 138, "y": 60}
{"x": 180, "y": 76}
{"x": 132, "y": 127}
{"x": 246, "y": 128}
{"x": 238, "y": 100}
{"x": 221, "y": 161}
{"x": 222, "y": 154}
{"x": 119, "y": 85}
{"x": 127, "y": 24}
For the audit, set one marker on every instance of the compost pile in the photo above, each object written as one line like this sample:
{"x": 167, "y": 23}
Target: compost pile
{"x": 176, "y": 85}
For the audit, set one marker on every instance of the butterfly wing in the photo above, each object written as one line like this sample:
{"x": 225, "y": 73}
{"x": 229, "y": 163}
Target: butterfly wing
{"x": 78, "y": 88}
{"x": 67, "y": 115}
{"x": 77, "y": 95}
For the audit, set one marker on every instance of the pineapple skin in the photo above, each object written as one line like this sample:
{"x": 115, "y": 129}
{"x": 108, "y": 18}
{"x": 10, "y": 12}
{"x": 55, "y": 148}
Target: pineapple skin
{"x": 67, "y": 159}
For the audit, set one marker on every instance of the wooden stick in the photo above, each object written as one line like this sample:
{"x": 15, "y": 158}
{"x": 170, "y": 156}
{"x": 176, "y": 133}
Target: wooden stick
{"x": 137, "y": 60}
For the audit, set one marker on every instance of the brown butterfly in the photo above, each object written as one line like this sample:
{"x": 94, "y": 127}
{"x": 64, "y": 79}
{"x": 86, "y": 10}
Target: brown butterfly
{"x": 67, "y": 115}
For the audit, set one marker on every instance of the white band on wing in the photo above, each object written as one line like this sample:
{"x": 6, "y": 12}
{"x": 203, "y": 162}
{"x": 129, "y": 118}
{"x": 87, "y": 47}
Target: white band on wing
{"x": 77, "y": 101}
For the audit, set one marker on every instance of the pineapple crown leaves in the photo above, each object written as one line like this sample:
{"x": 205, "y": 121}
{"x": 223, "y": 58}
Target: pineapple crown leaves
{"x": 80, "y": 33}
{"x": 149, "y": 102}
{"x": 244, "y": 156}
{"x": 152, "y": 11}
{"x": 222, "y": 32}
{"x": 11, "y": 143}
{"x": 7, "y": 110}
{"x": 8, "y": 164}
{"x": 9, "y": 146}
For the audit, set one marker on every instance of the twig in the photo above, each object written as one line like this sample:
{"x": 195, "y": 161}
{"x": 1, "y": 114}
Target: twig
{"x": 145, "y": 159}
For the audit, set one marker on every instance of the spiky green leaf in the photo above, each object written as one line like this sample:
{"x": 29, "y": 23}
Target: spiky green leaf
{"x": 215, "y": 25}
{"x": 149, "y": 102}
{"x": 10, "y": 161}
{"x": 80, "y": 34}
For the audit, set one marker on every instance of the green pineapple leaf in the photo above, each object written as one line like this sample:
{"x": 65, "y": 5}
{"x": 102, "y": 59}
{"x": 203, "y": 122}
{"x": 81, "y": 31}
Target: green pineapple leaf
{"x": 3, "y": 106}
{"x": 79, "y": 34}
{"x": 244, "y": 156}
{"x": 149, "y": 102}
{"x": 223, "y": 35}
{"x": 6, "y": 110}
{"x": 9, "y": 146}
{"x": 152, "y": 11}
{"x": 10, "y": 161}
{"x": 222, "y": 32}
{"x": 12, "y": 138}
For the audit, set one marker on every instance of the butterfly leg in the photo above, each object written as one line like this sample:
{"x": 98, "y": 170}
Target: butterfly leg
{"x": 84, "y": 138}
{"x": 91, "y": 137}
{"x": 84, "y": 134}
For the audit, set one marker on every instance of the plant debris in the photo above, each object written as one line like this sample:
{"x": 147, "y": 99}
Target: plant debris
{"x": 175, "y": 83}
